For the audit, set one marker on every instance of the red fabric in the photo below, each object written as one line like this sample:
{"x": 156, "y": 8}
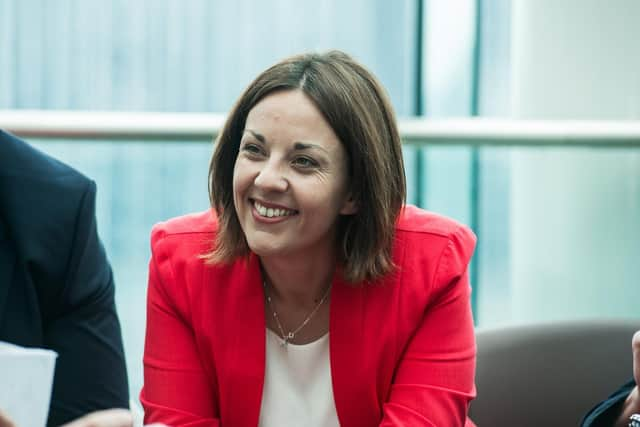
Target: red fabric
{"x": 402, "y": 351}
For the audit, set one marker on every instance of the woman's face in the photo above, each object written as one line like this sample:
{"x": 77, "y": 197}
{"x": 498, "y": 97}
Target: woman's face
{"x": 290, "y": 179}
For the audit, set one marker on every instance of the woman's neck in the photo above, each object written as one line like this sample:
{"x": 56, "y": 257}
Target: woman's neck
{"x": 298, "y": 281}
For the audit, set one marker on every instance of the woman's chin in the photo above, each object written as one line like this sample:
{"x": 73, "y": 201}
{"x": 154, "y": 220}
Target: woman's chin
{"x": 266, "y": 249}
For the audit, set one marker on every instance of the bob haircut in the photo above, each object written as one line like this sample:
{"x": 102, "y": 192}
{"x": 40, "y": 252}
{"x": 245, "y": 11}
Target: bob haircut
{"x": 358, "y": 110}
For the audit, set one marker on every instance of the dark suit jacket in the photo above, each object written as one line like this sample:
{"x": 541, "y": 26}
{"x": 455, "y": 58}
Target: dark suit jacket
{"x": 605, "y": 413}
{"x": 56, "y": 286}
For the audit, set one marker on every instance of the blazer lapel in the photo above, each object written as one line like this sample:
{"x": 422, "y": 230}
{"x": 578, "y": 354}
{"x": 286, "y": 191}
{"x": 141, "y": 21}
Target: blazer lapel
{"x": 7, "y": 266}
{"x": 350, "y": 374}
{"x": 245, "y": 338}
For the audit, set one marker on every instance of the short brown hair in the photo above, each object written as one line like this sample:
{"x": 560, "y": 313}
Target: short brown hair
{"x": 358, "y": 110}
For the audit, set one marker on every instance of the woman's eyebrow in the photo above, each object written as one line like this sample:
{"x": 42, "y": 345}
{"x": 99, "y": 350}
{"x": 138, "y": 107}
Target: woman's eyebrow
{"x": 257, "y": 136}
{"x": 307, "y": 146}
{"x": 299, "y": 146}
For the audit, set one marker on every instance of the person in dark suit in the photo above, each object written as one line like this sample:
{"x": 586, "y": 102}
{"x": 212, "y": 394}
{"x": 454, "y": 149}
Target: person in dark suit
{"x": 617, "y": 409}
{"x": 56, "y": 284}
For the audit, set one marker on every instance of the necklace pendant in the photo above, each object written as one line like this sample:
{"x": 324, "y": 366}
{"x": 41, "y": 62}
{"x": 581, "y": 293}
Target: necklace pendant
{"x": 286, "y": 339}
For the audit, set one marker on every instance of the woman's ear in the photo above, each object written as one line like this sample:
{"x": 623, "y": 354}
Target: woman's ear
{"x": 350, "y": 206}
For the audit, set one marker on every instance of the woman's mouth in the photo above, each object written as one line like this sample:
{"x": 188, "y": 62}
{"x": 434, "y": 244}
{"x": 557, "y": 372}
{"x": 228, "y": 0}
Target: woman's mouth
{"x": 271, "y": 212}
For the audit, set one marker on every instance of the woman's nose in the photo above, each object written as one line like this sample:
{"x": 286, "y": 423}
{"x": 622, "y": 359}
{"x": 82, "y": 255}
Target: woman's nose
{"x": 271, "y": 178}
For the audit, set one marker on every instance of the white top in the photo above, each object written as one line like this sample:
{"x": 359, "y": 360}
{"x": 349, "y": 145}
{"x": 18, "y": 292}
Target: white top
{"x": 297, "y": 385}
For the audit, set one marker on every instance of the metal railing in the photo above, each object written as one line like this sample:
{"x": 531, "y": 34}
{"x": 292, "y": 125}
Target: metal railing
{"x": 204, "y": 126}
{"x": 474, "y": 133}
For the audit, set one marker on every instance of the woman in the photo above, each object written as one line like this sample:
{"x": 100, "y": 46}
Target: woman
{"x": 309, "y": 295}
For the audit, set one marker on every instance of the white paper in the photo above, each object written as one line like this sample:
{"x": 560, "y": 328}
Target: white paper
{"x": 26, "y": 377}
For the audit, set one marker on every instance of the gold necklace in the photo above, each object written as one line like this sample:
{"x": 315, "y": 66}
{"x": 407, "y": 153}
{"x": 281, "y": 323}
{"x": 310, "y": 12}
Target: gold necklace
{"x": 288, "y": 337}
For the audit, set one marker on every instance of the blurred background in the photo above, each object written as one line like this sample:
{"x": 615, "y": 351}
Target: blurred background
{"x": 558, "y": 223}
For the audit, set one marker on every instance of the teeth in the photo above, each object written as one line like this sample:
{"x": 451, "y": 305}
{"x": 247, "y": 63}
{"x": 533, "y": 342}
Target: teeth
{"x": 271, "y": 212}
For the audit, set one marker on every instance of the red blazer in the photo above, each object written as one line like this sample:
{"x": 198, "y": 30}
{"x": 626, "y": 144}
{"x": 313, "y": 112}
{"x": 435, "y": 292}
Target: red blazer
{"x": 402, "y": 351}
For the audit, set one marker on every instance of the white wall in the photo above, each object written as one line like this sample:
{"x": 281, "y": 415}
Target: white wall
{"x": 575, "y": 213}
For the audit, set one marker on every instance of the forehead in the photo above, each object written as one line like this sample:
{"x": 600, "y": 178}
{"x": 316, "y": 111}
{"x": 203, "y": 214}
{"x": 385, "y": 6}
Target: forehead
{"x": 290, "y": 114}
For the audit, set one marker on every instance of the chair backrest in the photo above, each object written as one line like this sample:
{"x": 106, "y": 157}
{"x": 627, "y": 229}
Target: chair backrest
{"x": 549, "y": 375}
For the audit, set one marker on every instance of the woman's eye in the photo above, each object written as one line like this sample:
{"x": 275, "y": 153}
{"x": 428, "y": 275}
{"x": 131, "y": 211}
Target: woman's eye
{"x": 305, "y": 162}
{"x": 251, "y": 148}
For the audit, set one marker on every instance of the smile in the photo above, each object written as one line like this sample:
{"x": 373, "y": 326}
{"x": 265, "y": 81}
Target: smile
{"x": 272, "y": 212}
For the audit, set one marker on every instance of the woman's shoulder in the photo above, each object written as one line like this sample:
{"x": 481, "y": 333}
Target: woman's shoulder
{"x": 196, "y": 223}
{"x": 415, "y": 220}
{"x": 191, "y": 233}
{"x": 179, "y": 247}
{"x": 434, "y": 232}
{"x": 433, "y": 252}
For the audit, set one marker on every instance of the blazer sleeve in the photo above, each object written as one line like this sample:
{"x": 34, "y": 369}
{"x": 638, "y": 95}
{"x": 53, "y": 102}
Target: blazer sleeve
{"x": 90, "y": 371}
{"x": 605, "y": 413}
{"x": 177, "y": 390}
{"x": 434, "y": 381}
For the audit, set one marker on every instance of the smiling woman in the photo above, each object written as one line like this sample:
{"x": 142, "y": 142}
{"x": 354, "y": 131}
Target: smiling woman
{"x": 309, "y": 294}
{"x": 352, "y": 109}
{"x": 303, "y": 183}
